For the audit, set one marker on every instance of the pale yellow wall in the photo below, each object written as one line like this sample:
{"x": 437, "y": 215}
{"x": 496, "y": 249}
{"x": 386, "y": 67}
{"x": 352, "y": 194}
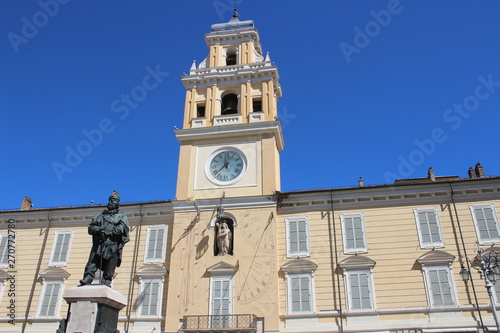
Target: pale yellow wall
{"x": 393, "y": 244}
{"x": 192, "y": 254}
{"x": 33, "y": 250}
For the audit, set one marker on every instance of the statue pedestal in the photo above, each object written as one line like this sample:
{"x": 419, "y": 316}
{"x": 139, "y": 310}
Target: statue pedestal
{"x": 93, "y": 308}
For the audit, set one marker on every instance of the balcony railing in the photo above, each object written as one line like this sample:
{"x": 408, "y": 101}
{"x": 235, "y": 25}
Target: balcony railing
{"x": 228, "y": 323}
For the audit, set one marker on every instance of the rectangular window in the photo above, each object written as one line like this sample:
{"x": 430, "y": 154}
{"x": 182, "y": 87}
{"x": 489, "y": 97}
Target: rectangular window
{"x": 359, "y": 288}
{"x": 353, "y": 232}
{"x": 439, "y": 286}
{"x": 60, "y": 249}
{"x": 200, "y": 110}
{"x": 155, "y": 244}
{"x": 297, "y": 236}
{"x": 486, "y": 223}
{"x": 299, "y": 293}
{"x": 429, "y": 228}
{"x": 256, "y": 105}
{"x": 150, "y": 298}
{"x": 4, "y": 253}
{"x": 50, "y": 298}
{"x": 221, "y": 296}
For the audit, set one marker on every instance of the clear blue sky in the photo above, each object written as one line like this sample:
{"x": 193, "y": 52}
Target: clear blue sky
{"x": 377, "y": 89}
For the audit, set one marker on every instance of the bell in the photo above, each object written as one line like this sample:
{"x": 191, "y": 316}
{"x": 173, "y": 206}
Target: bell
{"x": 230, "y": 104}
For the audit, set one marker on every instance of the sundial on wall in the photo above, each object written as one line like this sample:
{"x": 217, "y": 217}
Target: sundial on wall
{"x": 258, "y": 277}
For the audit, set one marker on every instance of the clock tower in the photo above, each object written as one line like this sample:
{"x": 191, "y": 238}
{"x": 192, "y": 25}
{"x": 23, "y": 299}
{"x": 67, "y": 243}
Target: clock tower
{"x": 231, "y": 139}
{"x": 223, "y": 260}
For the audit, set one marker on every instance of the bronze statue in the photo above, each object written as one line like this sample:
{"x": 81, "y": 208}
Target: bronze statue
{"x": 110, "y": 232}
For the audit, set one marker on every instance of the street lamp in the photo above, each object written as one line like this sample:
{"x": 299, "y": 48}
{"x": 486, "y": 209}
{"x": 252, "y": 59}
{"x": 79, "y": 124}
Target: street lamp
{"x": 488, "y": 263}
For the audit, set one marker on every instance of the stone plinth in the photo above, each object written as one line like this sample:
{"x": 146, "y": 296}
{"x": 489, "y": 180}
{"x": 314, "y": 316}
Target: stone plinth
{"x": 93, "y": 308}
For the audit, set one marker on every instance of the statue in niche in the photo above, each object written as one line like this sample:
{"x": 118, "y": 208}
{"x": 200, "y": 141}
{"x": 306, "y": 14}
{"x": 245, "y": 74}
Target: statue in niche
{"x": 224, "y": 238}
{"x": 110, "y": 232}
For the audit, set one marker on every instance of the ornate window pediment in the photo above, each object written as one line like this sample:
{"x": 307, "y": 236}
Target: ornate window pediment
{"x": 357, "y": 262}
{"x": 151, "y": 271}
{"x": 222, "y": 268}
{"x": 435, "y": 257}
{"x": 299, "y": 266}
{"x": 54, "y": 273}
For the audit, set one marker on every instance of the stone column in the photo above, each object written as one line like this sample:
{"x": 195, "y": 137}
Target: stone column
{"x": 93, "y": 308}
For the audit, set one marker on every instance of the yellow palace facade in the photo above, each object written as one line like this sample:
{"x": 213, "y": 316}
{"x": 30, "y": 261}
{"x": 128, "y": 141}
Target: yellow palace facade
{"x": 387, "y": 258}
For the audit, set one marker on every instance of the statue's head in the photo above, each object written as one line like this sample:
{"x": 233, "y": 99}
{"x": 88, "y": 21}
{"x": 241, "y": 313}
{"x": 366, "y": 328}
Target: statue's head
{"x": 114, "y": 201}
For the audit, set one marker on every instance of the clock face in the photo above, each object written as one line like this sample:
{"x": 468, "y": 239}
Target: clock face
{"x": 226, "y": 166}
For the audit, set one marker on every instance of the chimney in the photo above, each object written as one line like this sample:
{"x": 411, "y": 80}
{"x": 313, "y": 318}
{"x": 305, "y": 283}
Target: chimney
{"x": 471, "y": 173}
{"x": 361, "y": 183}
{"x": 479, "y": 170}
{"x": 26, "y": 204}
{"x": 430, "y": 175}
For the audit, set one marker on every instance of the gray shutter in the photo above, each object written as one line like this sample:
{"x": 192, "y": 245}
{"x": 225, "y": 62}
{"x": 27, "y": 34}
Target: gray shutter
{"x": 355, "y": 291}
{"x": 440, "y": 287}
{"x": 293, "y": 235}
{"x": 153, "y": 307}
{"x": 302, "y": 235}
{"x": 305, "y": 294}
{"x": 429, "y": 228}
{"x": 486, "y": 223}
{"x": 160, "y": 233}
{"x": 358, "y": 232}
{"x": 295, "y": 294}
{"x": 349, "y": 233}
{"x": 3, "y": 249}
{"x": 61, "y": 248}
{"x": 49, "y": 300}
{"x": 151, "y": 244}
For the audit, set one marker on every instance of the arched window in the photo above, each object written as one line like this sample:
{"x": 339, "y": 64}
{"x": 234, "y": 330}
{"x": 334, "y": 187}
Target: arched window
{"x": 229, "y": 104}
{"x": 231, "y": 57}
{"x": 223, "y": 237}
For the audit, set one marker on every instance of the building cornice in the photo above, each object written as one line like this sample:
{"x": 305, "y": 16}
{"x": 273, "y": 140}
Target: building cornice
{"x": 233, "y": 130}
{"x": 389, "y": 195}
{"x": 252, "y": 202}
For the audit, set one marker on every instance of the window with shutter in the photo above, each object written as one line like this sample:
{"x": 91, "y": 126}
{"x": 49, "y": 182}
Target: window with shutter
{"x": 50, "y": 299}
{"x": 297, "y": 236}
{"x": 150, "y": 298}
{"x": 486, "y": 223}
{"x": 440, "y": 286}
{"x": 155, "y": 244}
{"x": 221, "y": 295}
{"x": 353, "y": 232}
{"x": 299, "y": 293}
{"x": 359, "y": 290}
{"x": 4, "y": 253}
{"x": 60, "y": 249}
{"x": 429, "y": 228}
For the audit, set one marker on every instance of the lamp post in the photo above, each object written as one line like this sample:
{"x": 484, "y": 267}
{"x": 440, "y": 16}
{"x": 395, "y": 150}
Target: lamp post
{"x": 488, "y": 263}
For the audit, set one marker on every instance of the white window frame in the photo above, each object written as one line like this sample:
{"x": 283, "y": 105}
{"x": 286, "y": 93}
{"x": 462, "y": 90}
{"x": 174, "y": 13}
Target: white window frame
{"x": 4, "y": 253}
{"x": 222, "y": 278}
{"x": 289, "y": 277}
{"x": 163, "y": 246}
{"x": 298, "y": 253}
{"x": 58, "y": 297}
{"x": 349, "y": 290}
{"x": 431, "y": 244}
{"x": 488, "y": 241}
{"x": 356, "y": 249}
{"x": 59, "y": 263}
{"x": 426, "y": 269}
{"x": 145, "y": 282}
